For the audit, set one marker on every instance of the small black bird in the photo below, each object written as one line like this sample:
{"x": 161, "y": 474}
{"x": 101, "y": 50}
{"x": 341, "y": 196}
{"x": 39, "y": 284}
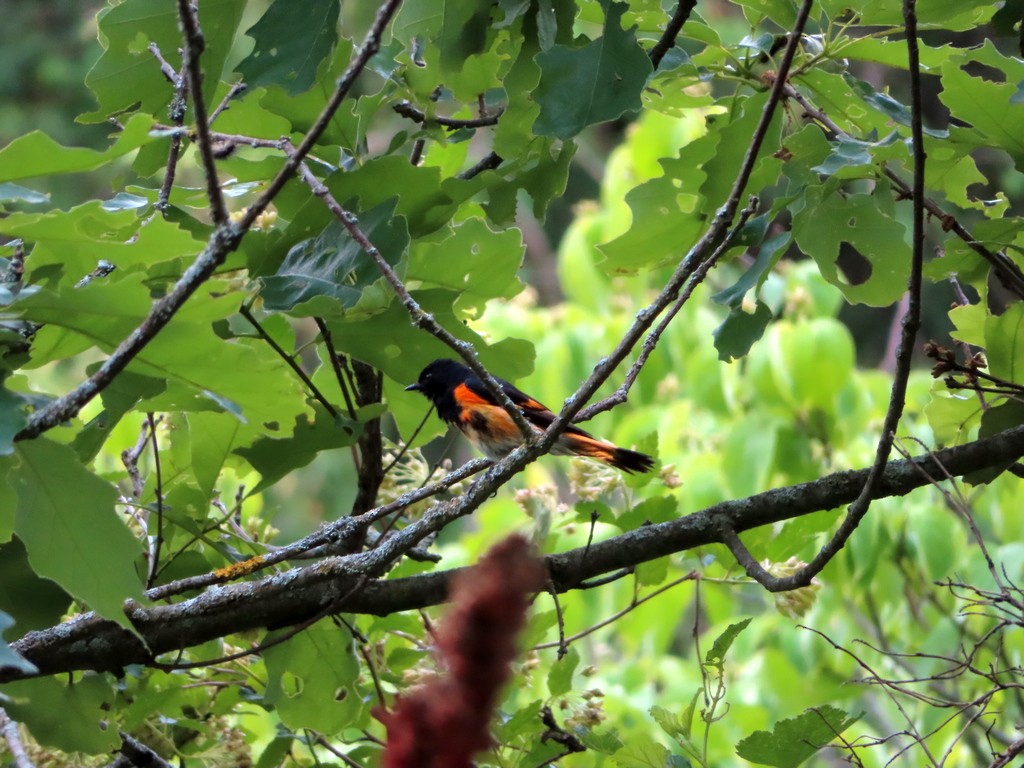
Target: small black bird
{"x": 462, "y": 399}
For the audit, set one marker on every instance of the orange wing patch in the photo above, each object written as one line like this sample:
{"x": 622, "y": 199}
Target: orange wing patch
{"x": 466, "y": 397}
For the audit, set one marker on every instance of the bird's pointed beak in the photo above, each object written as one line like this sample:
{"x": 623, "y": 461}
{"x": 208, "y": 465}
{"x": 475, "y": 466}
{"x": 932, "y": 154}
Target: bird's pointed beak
{"x": 414, "y": 388}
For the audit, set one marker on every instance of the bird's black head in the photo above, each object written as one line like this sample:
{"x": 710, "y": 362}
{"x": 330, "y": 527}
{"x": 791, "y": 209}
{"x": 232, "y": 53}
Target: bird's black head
{"x": 439, "y": 379}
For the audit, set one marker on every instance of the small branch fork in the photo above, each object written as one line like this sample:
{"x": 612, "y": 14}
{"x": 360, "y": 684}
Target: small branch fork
{"x": 226, "y": 235}
{"x": 897, "y": 397}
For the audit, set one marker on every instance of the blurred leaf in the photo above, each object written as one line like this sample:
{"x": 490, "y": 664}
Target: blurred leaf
{"x": 291, "y": 42}
{"x": 67, "y": 521}
{"x": 13, "y": 417}
{"x": 72, "y": 717}
{"x": 1004, "y": 343}
{"x": 794, "y": 740}
{"x": 33, "y": 602}
{"x": 648, "y": 754}
{"x": 596, "y": 82}
{"x": 888, "y": 106}
{"x": 740, "y": 330}
{"x": 560, "y": 675}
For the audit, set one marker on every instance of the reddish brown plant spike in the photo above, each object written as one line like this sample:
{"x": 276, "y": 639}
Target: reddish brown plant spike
{"x": 445, "y": 722}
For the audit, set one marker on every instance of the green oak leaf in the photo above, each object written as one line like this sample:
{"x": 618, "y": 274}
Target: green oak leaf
{"x": 127, "y": 76}
{"x": 310, "y": 679}
{"x": 471, "y": 259}
{"x": 987, "y": 106}
{"x": 866, "y": 223}
{"x": 596, "y": 82}
{"x": 291, "y": 42}
{"x": 738, "y": 332}
{"x": 331, "y": 274}
{"x": 32, "y": 601}
{"x": 274, "y": 458}
{"x": 36, "y": 154}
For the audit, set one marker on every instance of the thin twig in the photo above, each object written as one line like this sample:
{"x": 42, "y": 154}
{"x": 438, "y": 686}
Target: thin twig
{"x": 195, "y": 43}
{"x": 621, "y": 394}
{"x": 489, "y": 162}
{"x": 668, "y": 38}
{"x": 176, "y": 111}
{"x": 633, "y": 605}
{"x": 234, "y": 90}
{"x": 154, "y": 558}
{"x": 9, "y": 733}
{"x": 245, "y": 312}
{"x": 325, "y": 332}
{"x": 406, "y": 109}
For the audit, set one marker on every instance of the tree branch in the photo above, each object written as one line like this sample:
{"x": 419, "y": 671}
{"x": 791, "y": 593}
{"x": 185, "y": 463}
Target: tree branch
{"x": 405, "y": 109}
{"x": 668, "y": 38}
{"x": 90, "y": 642}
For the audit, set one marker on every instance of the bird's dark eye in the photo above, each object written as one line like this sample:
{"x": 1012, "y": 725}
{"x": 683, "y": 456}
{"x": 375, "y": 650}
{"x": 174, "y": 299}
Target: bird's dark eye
{"x": 426, "y": 376}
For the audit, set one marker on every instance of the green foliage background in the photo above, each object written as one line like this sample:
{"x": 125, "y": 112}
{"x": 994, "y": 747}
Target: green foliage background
{"x": 608, "y": 170}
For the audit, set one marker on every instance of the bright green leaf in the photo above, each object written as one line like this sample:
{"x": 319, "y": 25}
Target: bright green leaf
{"x": 865, "y": 222}
{"x": 310, "y": 679}
{"x": 70, "y": 529}
{"x": 560, "y": 675}
{"x": 128, "y": 74}
{"x": 36, "y": 154}
{"x": 273, "y": 458}
{"x": 716, "y": 655}
{"x": 795, "y": 739}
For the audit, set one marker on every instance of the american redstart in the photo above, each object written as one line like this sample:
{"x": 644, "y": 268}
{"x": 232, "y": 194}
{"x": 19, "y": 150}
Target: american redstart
{"x": 461, "y": 398}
